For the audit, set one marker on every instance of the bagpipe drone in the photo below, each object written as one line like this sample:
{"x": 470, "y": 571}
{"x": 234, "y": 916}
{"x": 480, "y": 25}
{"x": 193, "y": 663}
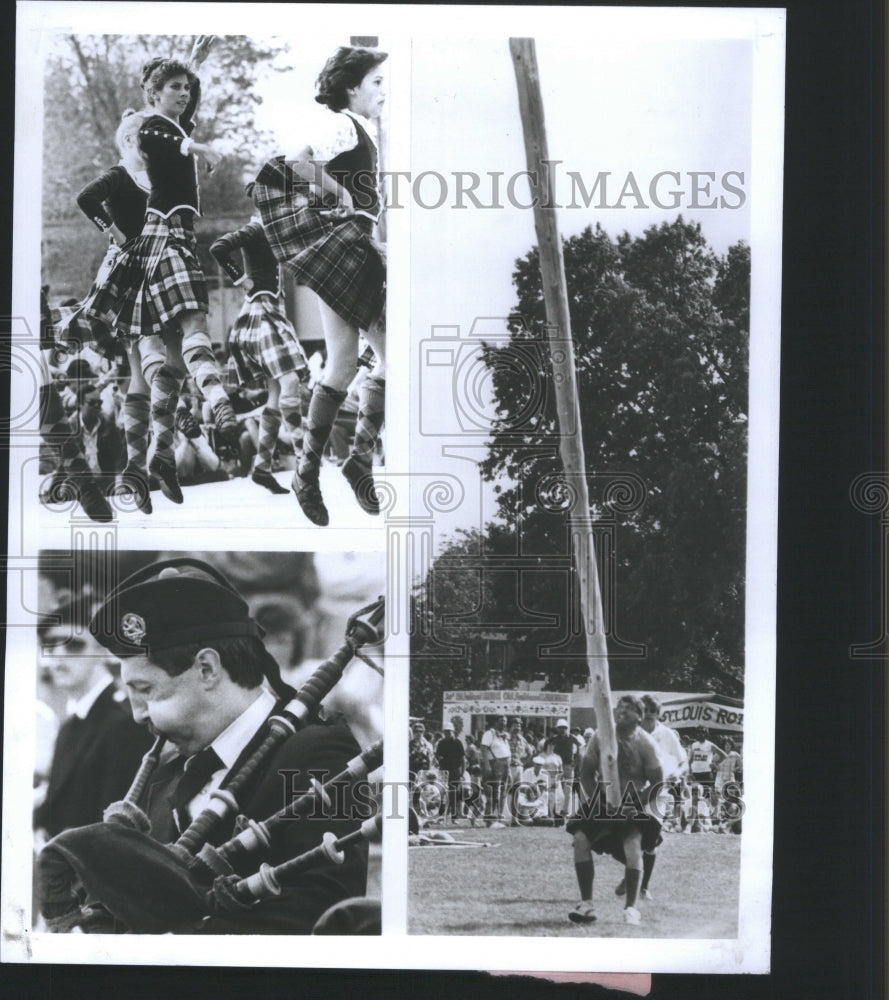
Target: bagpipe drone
{"x": 114, "y": 877}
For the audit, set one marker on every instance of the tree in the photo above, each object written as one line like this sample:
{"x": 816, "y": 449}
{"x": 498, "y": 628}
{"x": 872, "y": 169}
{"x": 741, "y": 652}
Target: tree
{"x": 479, "y": 586}
{"x": 92, "y": 79}
{"x": 460, "y": 590}
{"x": 89, "y": 81}
{"x": 660, "y": 325}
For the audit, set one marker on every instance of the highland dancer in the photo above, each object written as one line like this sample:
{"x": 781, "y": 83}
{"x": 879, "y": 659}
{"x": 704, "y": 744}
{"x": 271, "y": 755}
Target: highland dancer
{"x": 319, "y": 205}
{"x": 265, "y": 351}
{"x": 156, "y": 290}
{"x": 115, "y": 202}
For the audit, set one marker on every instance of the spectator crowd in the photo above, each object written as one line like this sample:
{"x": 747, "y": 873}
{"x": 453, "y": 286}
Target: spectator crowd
{"x": 520, "y": 774}
{"x": 92, "y": 382}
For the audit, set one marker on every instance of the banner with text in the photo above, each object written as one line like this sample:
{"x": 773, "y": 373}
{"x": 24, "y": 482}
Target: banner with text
{"x": 524, "y": 704}
{"x": 692, "y": 713}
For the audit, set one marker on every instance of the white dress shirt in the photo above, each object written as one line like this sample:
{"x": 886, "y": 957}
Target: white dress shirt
{"x": 230, "y": 743}
{"x": 81, "y": 706}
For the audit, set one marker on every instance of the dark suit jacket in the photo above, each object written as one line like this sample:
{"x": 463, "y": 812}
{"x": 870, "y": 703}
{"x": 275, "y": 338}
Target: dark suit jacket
{"x": 110, "y": 445}
{"x": 325, "y": 747}
{"x": 94, "y": 762}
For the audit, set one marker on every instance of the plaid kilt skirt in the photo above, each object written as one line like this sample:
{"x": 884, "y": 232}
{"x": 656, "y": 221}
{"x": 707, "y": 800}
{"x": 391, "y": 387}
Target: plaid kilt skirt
{"x": 344, "y": 270}
{"x": 263, "y": 343}
{"x": 606, "y": 834}
{"x": 337, "y": 260}
{"x": 154, "y": 279}
{"x": 289, "y": 222}
{"x": 73, "y": 330}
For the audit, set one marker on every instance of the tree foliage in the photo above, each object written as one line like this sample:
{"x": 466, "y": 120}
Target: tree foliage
{"x": 660, "y": 328}
{"x": 92, "y": 79}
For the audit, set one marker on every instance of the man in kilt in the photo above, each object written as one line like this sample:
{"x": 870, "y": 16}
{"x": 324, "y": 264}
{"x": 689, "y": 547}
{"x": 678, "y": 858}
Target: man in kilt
{"x": 634, "y": 828}
{"x": 674, "y": 762}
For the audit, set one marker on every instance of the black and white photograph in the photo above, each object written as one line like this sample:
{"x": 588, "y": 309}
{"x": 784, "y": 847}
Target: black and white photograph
{"x": 446, "y": 500}
{"x": 212, "y": 302}
{"x": 200, "y": 382}
{"x": 490, "y": 307}
{"x": 209, "y": 743}
{"x": 589, "y": 635}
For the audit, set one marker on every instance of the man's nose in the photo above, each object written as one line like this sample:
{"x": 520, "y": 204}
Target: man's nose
{"x": 140, "y": 711}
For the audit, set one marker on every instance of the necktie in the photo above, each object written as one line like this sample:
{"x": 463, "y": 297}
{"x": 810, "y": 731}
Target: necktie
{"x": 197, "y": 772}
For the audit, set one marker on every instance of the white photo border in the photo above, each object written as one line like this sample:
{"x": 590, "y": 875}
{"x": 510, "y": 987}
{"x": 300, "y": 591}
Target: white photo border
{"x": 749, "y": 952}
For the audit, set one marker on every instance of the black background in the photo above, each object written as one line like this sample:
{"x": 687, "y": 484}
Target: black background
{"x": 829, "y": 885}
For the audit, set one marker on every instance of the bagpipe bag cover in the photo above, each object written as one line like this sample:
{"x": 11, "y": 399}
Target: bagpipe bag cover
{"x": 138, "y": 880}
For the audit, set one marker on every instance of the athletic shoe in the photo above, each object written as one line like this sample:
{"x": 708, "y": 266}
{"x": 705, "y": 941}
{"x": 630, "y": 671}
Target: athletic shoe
{"x": 632, "y": 915}
{"x": 262, "y": 477}
{"x": 308, "y": 496}
{"x": 360, "y": 478}
{"x": 93, "y": 501}
{"x": 583, "y": 913}
{"x": 167, "y": 478}
{"x": 646, "y": 894}
{"x": 621, "y": 889}
{"x": 225, "y": 420}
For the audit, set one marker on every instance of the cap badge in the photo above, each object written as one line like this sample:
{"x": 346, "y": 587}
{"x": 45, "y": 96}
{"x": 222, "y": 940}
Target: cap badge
{"x": 132, "y": 627}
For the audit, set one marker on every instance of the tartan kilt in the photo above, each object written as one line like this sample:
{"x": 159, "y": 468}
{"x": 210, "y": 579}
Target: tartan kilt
{"x": 344, "y": 270}
{"x": 290, "y": 224}
{"x": 606, "y": 834}
{"x": 263, "y": 343}
{"x": 106, "y": 268}
{"x": 154, "y": 279}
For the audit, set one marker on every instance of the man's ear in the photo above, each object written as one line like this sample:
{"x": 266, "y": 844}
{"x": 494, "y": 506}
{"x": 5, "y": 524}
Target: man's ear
{"x": 210, "y": 668}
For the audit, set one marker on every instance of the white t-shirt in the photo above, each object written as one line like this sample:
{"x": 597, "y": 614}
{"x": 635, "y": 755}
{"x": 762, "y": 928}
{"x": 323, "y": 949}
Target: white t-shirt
{"x": 727, "y": 768}
{"x": 497, "y": 744}
{"x": 543, "y": 780}
{"x": 701, "y": 756}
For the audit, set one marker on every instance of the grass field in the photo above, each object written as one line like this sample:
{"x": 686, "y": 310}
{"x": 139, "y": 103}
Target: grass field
{"x": 525, "y": 885}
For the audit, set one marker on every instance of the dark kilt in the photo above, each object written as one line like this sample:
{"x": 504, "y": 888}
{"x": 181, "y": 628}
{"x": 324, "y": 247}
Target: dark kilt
{"x": 74, "y": 331}
{"x": 345, "y": 271}
{"x": 112, "y": 255}
{"x": 289, "y": 222}
{"x": 337, "y": 260}
{"x": 606, "y": 835}
{"x": 263, "y": 343}
{"x": 155, "y": 278}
